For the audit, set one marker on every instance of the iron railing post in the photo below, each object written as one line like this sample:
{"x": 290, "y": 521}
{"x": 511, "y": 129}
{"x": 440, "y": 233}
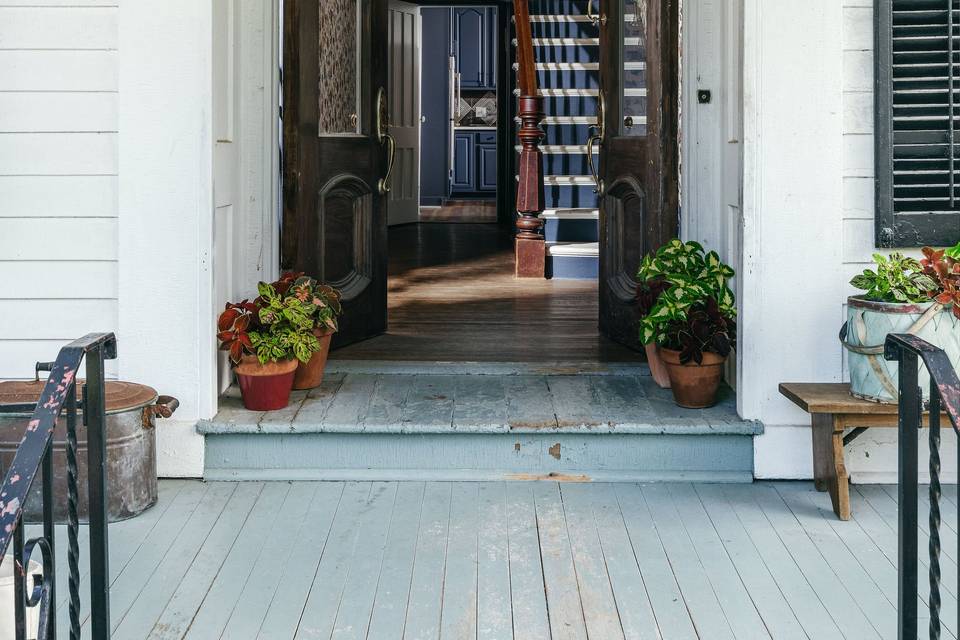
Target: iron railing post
{"x": 94, "y": 416}
{"x": 907, "y": 465}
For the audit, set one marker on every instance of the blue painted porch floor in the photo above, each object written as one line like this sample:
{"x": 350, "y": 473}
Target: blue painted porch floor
{"x": 500, "y": 560}
{"x": 485, "y": 421}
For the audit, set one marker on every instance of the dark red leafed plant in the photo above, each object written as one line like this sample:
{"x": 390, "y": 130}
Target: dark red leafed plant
{"x": 945, "y": 270}
{"x": 233, "y": 328}
{"x": 705, "y": 328}
{"x": 648, "y": 293}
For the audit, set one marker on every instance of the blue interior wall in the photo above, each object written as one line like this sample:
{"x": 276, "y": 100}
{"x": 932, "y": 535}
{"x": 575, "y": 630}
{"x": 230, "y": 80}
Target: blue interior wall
{"x": 434, "y": 96}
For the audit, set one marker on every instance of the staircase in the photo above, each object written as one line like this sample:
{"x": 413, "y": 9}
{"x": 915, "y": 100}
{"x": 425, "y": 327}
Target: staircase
{"x": 567, "y": 50}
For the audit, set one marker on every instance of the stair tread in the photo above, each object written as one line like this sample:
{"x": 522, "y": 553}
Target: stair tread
{"x": 574, "y": 249}
{"x": 572, "y": 214}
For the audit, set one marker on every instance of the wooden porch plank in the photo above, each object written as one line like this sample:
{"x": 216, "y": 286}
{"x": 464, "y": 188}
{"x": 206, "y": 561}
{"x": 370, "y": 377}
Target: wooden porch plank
{"x": 159, "y": 585}
{"x": 350, "y": 404}
{"x": 624, "y": 397}
{"x": 359, "y": 591}
{"x": 390, "y": 605}
{"x": 843, "y": 607}
{"x": 559, "y": 573}
{"x": 880, "y": 611}
{"x": 386, "y": 403}
{"x": 214, "y": 610}
{"x": 179, "y": 610}
{"x": 290, "y": 596}
{"x": 803, "y": 599}
{"x": 127, "y": 585}
{"x": 629, "y": 590}
{"x": 320, "y": 609}
{"x": 135, "y": 531}
{"x": 494, "y": 618}
{"x": 600, "y": 611}
{"x": 480, "y": 400}
{"x": 314, "y": 408}
{"x": 665, "y": 597}
{"x": 530, "y": 617}
{"x": 426, "y": 585}
{"x": 575, "y": 402}
{"x": 701, "y": 596}
{"x": 776, "y": 613}
{"x": 459, "y": 615}
{"x": 735, "y": 602}
{"x": 529, "y": 403}
{"x": 250, "y": 608}
{"x": 430, "y": 402}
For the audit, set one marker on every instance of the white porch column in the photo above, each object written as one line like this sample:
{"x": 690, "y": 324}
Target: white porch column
{"x": 166, "y": 335}
{"x": 791, "y": 287}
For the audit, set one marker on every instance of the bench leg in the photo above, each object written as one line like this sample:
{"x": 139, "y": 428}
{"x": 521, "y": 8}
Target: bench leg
{"x": 829, "y": 470}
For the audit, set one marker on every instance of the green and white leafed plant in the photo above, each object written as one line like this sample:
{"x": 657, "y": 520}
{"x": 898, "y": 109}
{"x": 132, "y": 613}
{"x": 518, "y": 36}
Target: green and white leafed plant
{"x": 897, "y": 278}
{"x": 689, "y": 276}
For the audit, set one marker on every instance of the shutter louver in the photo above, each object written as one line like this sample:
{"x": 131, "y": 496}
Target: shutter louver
{"x": 917, "y": 108}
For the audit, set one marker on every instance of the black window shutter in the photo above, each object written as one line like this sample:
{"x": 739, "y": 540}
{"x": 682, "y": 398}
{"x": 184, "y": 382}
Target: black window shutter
{"x": 917, "y": 105}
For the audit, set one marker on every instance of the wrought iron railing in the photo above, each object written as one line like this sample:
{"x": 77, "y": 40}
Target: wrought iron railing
{"x": 34, "y": 457}
{"x": 944, "y": 398}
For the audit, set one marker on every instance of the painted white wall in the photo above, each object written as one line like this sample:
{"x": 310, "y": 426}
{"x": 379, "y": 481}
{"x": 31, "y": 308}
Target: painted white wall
{"x": 793, "y": 229}
{"x": 58, "y": 177}
{"x": 166, "y": 335}
{"x": 166, "y": 240}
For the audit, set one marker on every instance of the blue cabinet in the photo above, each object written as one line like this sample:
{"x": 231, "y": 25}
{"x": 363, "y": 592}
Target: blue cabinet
{"x": 475, "y": 46}
{"x": 474, "y": 163}
{"x": 464, "y": 174}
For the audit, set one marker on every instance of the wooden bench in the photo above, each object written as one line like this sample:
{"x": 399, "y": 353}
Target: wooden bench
{"x": 833, "y": 411}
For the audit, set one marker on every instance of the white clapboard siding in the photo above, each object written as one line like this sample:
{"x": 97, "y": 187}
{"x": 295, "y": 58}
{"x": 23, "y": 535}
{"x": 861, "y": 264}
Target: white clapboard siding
{"x": 58, "y": 239}
{"x": 58, "y": 154}
{"x": 58, "y": 70}
{"x": 73, "y": 28}
{"x": 58, "y": 196}
{"x": 43, "y": 279}
{"x": 41, "y": 111}
{"x": 58, "y": 177}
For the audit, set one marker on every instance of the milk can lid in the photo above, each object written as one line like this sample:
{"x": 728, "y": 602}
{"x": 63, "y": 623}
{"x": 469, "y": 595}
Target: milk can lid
{"x": 120, "y": 396}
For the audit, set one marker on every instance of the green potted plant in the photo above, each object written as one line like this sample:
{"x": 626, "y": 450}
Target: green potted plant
{"x": 901, "y": 295}
{"x": 692, "y": 319}
{"x": 265, "y": 339}
{"x": 322, "y": 303}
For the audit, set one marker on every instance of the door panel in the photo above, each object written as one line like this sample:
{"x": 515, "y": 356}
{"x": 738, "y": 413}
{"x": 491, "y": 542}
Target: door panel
{"x": 335, "y": 154}
{"x": 404, "y": 90}
{"x": 638, "y": 170}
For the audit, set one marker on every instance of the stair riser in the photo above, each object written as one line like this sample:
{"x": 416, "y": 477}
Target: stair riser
{"x": 560, "y": 7}
{"x": 565, "y": 165}
{"x": 576, "y": 230}
{"x": 570, "y": 197}
{"x": 320, "y": 456}
{"x": 573, "y": 267}
{"x": 568, "y": 79}
{"x": 566, "y": 53}
{"x": 566, "y": 134}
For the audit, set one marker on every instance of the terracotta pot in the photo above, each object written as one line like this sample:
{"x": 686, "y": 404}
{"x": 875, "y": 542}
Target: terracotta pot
{"x": 658, "y": 370}
{"x": 265, "y": 387}
{"x": 694, "y": 385}
{"x": 310, "y": 374}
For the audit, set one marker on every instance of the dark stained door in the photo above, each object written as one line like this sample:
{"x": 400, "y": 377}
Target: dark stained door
{"x": 336, "y": 154}
{"x": 638, "y": 159}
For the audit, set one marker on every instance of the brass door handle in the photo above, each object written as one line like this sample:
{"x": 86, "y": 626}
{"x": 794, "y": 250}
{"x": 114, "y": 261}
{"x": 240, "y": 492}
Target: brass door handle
{"x": 384, "y": 137}
{"x": 598, "y": 133}
{"x": 594, "y": 18}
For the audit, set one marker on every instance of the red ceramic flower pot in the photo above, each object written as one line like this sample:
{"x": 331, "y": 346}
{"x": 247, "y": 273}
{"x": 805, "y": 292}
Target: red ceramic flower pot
{"x": 265, "y": 387}
{"x": 310, "y": 374}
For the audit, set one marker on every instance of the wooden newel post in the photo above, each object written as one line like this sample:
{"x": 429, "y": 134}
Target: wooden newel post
{"x": 531, "y": 249}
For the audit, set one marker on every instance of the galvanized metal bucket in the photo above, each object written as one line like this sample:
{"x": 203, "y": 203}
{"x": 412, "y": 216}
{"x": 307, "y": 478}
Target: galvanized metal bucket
{"x": 132, "y": 411}
{"x": 864, "y": 333}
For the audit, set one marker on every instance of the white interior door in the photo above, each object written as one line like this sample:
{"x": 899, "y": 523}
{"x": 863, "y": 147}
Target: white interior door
{"x": 403, "y": 205}
{"x": 226, "y": 166}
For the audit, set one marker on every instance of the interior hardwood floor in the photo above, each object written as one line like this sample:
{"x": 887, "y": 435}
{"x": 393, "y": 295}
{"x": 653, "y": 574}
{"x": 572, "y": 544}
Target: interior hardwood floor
{"x": 453, "y": 297}
{"x": 461, "y": 211}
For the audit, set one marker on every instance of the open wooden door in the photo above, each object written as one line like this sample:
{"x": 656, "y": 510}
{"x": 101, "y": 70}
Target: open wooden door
{"x": 638, "y": 161}
{"x": 338, "y": 154}
{"x": 404, "y": 87}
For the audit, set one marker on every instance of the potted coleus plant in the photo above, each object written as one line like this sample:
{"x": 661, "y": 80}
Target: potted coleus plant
{"x": 323, "y": 305}
{"x": 902, "y": 295}
{"x": 692, "y": 320}
{"x": 266, "y": 339}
